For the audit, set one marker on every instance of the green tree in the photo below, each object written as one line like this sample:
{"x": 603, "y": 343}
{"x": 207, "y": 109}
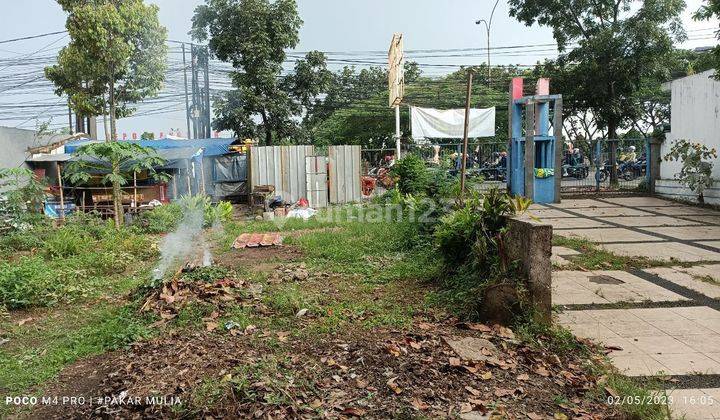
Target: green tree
{"x": 355, "y": 110}
{"x": 147, "y": 136}
{"x": 116, "y": 57}
{"x": 709, "y": 10}
{"x": 117, "y": 161}
{"x": 608, "y": 47}
{"x": 696, "y": 172}
{"x": 20, "y": 192}
{"x": 253, "y": 35}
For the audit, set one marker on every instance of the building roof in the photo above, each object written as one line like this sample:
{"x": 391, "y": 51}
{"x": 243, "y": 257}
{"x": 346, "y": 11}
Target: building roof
{"x": 55, "y": 157}
{"x": 211, "y": 147}
{"x": 175, "y": 157}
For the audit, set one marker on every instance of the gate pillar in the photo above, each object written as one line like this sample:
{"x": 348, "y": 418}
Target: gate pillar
{"x": 535, "y": 156}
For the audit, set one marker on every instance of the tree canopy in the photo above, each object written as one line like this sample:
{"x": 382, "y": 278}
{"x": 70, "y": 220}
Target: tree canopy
{"x": 608, "y": 48}
{"x": 253, "y": 35}
{"x": 115, "y": 58}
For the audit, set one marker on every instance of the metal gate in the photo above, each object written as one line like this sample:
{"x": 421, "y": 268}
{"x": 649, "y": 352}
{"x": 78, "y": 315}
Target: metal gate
{"x": 587, "y": 168}
{"x": 316, "y": 181}
{"x": 486, "y": 163}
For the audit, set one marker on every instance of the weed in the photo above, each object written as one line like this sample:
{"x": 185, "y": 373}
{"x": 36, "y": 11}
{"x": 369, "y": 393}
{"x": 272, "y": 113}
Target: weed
{"x": 208, "y": 274}
{"x": 76, "y": 333}
{"x": 72, "y": 264}
{"x": 596, "y": 258}
{"x": 707, "y": 279}
{"x": 161, "y": 219}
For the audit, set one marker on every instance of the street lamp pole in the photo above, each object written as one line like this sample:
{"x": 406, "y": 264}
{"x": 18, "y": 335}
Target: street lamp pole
{"x": 488, "y": 25}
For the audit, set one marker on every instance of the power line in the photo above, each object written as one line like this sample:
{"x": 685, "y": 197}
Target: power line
{"x": 7, "y": 41}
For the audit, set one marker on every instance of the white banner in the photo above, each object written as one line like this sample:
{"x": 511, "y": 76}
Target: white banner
{"x": 449, "y": 124}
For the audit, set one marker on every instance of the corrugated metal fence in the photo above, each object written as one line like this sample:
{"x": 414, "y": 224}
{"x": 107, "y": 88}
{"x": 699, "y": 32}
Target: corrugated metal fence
{"x": 344, "y": 174}
{"x": 297, "y": 172}
{"x": 283, "y": 167}
{"x": 317, "y": 185}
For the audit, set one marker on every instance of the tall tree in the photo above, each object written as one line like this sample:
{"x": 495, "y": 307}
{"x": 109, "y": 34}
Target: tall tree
{"x": 253, "y": 35}
{"x": 711, "y": 9}
{"x": 116, "y": 57}
{"x": 608, "y": 47}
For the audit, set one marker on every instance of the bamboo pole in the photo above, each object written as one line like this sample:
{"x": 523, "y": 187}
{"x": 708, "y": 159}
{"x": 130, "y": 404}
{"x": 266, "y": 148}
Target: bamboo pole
{"x": 135, "y": 201}
{"x": 187, "y": 175}
{"x": 465, "y": 136}
{"x": 62, "y": 193}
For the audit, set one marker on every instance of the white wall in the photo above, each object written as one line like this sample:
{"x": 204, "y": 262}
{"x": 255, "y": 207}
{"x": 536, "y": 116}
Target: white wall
{"x": 671, "y": 188}
{"x": 695, "y": 116}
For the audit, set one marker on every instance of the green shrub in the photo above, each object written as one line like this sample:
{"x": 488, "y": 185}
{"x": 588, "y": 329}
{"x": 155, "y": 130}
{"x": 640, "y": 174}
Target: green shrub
{"x": 21, "y": 241}
{"x": 65, "y": 242}
{"x": 455, "y": 234}
{"x": 27, "y": 282}
{"x": 413, "y": 176}
{"x": 161, "y": 219}
{"x": 74, "y": 261}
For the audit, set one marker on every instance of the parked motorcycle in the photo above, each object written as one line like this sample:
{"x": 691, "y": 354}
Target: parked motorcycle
{"x": 633, "y": 170}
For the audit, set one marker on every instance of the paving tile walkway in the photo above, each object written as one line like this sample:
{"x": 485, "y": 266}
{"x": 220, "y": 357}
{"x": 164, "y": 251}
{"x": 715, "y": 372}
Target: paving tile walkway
{"x": 639, "y": 227}
{"x": 662, "y": 321}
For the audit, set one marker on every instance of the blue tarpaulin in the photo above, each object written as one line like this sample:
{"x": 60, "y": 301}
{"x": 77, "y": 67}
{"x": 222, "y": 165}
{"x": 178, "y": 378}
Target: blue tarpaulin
{"x": 212, "y": 147}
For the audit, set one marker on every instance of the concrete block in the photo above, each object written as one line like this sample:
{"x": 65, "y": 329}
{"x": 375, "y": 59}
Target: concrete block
{"x": 530, "y": 243}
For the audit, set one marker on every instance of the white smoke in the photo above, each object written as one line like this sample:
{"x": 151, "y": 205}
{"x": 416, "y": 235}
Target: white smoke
{"x": 184, "y": 242}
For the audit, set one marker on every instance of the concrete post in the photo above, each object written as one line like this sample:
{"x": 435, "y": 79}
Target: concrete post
{"x": 654, "y": 159}
{"x": 530, "y": 243}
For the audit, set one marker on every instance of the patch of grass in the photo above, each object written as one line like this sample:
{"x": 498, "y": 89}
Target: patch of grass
{"x": 637, "y": 398}
{"x": 210, "y": 392}
{"x": 707, "y": 279}
{"x": 191, "y": 315}
{"x": 208, "y": 274}
{"x": 595, "y": 258}
{"x": 272, "y": 372}
{"x": 287, "y": 299}
{"x": 38, "y": 350}
{"x": 554, "y": 338}
{"x": 72, "y": 265}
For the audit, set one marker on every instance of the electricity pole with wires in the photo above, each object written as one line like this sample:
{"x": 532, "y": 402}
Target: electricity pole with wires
{"x": 488, "y": 25}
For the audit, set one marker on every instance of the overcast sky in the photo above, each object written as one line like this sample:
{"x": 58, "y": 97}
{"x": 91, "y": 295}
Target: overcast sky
{"x": 331, "y": 25}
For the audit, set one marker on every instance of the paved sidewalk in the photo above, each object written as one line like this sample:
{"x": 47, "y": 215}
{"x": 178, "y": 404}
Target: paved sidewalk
{"x": 662, "y": 321}
{"x": 639, "y": 226}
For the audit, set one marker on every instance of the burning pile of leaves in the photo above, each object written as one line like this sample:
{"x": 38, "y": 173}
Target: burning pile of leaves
{"x": 195, "y": 283}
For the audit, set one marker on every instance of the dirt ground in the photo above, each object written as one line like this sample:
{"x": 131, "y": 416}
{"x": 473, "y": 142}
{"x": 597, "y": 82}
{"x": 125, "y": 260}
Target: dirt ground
{"x": 378, "y": 374}
{"x": 272, "y": 372}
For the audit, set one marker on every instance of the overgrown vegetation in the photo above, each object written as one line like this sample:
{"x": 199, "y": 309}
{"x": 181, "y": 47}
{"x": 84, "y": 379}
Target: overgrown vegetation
{"x": 21, "y": 195}
{"x": 696, "y": 171}
{"x": 46, "y": 266}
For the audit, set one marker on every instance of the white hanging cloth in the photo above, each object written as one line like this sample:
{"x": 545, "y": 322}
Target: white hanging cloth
{"x": 449, "y": 124}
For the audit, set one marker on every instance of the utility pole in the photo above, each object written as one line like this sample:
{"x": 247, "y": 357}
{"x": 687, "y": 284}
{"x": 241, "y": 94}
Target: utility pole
{"x": 465, "y": 136}
{"x": 488, "y": 25}
{"x": 187, "y": 100}
{"x": 70, "y": 121}
{"x": 194, "y": 85}
{"x": 208, "y": 133}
